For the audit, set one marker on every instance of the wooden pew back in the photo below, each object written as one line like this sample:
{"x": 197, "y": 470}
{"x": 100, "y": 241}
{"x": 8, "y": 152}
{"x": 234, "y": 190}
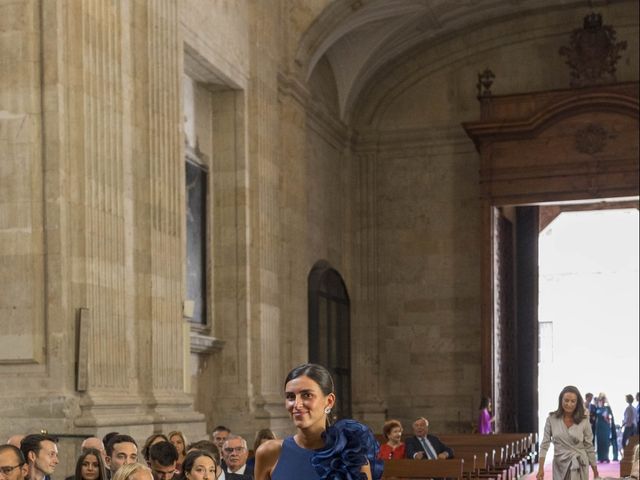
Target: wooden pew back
{"x": 407, "y": 469}
{"x": 627, "y": 459}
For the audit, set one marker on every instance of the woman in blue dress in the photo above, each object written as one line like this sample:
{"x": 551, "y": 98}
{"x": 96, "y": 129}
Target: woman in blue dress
{"x": 318, "y": 450}
{"x": 603, "y": 428}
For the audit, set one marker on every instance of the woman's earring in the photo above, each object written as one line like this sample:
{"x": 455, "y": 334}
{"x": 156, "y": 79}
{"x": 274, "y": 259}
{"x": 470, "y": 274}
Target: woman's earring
{"x": 327, "y": 410}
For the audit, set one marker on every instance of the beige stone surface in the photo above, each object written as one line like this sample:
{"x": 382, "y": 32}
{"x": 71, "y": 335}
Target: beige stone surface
{"x": 99, "y": 104}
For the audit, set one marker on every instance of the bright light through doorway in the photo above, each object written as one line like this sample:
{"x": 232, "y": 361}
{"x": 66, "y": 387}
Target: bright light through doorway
{"x": 588, "y": 307}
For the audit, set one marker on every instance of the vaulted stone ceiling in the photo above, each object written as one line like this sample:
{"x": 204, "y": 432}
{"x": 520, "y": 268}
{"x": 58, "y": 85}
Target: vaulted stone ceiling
{"x": 358, "y": 37}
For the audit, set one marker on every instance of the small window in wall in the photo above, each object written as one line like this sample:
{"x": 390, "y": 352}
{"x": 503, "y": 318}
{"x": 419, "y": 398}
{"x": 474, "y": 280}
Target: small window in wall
{"x": 196, "y": 271}
{"x": 330, "y": 331}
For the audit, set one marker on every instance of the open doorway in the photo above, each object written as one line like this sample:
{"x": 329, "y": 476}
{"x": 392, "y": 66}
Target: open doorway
{"x": 588, "y": 306}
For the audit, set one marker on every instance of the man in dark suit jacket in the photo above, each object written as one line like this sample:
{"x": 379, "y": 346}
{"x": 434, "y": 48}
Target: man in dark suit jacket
{"x": 235, "y": 454}
{"x": 588, "y": 397}
{"x": 423, "y": 445}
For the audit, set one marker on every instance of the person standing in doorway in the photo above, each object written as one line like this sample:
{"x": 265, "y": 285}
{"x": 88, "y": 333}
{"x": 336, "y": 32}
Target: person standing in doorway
{"x": 629, "y": 421}
{"x": 568, "y": 428}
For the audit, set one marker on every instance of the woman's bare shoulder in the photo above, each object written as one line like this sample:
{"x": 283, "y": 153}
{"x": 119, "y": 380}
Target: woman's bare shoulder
{"x": 269, "y": 450}
{"x": 266, "y": 458}
{"x": 268, "y": 453}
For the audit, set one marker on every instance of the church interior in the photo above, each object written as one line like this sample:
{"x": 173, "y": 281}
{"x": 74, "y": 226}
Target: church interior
{"x": 198, "y": 195}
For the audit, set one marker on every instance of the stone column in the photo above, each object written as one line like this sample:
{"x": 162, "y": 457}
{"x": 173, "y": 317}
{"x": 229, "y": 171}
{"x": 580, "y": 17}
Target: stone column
{"x": 98, "y": 156}
{"x": 263, "y": 367}
{"x": 159, "y": 208}
{"x": 126, "y": 208}
{"x": 368, "y": 405}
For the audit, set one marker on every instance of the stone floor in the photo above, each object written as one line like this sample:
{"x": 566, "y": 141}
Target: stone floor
{"x": 606, "y": 470}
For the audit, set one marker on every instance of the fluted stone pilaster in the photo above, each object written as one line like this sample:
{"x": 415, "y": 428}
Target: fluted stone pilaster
{"x": 102, "y": 155}
{"x": 365, "y": 345}
{"x": 166, "y": 180}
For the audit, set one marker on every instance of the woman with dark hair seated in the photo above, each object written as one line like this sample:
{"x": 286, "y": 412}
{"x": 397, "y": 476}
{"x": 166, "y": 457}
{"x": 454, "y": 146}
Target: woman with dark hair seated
{"x": 199, "y": 465}
{"x": 90, "y": 466}
{"x": 152, "y": 440}
{"x": 262, "y": 436}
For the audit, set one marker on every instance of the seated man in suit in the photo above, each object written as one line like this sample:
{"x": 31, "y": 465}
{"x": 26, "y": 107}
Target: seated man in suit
{"x": 423, "y": 445}
{"x": 235, "y": 455}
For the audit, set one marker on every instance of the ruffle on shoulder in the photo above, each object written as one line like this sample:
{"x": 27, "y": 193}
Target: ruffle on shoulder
{"x": 349, "y": 445}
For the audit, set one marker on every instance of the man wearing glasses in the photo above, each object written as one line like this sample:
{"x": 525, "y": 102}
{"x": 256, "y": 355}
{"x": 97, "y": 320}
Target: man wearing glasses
{"x": 235, "y": 455}
{"x": 163, "y": 457}
{"x": 12, "y": 464}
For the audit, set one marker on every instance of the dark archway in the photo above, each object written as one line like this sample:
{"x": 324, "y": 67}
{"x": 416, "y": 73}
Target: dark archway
{"x": 330, "y": 330}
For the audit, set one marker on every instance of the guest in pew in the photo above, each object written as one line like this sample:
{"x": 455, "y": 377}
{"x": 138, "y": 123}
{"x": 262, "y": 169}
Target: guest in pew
{"x": 486, "y": 417}
{"x": 569, "y": 430}
{"x": 423, "y": 446}
{"x": 180, "y": 442}
{"x": 393, "y": 448}
{"x": 202, "y": 465}
{"x": 261, "y": 437}
{"x": 152, "y": 440}
{"x": 90, "y": 465}
{"x": 133, "y": 471}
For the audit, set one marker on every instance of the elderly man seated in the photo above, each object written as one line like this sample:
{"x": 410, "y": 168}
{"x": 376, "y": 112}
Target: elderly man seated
{"x": 425, "y": 446}
{"x": 235, "y": 455}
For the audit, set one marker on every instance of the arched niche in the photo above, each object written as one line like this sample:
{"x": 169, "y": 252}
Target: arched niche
{"x": 330, "y": 330}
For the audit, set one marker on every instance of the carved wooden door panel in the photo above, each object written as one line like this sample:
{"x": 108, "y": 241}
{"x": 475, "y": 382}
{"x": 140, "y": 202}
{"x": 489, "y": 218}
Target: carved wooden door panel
{"x": 504, "y": 331}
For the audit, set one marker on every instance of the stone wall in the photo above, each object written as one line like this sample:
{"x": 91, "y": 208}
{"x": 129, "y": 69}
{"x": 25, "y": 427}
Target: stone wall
{"x": 92, "y": 206}
{"x": 426, "y": 187}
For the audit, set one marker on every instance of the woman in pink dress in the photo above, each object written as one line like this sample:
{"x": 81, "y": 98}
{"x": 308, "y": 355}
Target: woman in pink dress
{"x": 486, "y": 417}
{"x": 393, "y": 448}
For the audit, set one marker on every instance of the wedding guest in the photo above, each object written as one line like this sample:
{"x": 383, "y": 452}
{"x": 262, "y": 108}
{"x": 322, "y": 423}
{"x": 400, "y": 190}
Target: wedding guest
{"x": 485, "y": 418}
{"x": 569, "y": 430}
{"x": 393, "y": 448}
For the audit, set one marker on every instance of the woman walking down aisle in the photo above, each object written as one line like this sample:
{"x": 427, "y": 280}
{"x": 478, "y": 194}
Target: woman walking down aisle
{"x": 317, "y": 451}
{"x": 569, "y": 430}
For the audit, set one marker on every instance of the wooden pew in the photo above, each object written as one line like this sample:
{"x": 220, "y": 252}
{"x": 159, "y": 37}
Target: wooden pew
{"x": 489, "y": 467}
{"x": 627, "y": 459}
{"x": 505, "y": 456}
{"x": 519, "y": 449}
{"x": 469, "y": 465}
{"x": 408, "y": 469}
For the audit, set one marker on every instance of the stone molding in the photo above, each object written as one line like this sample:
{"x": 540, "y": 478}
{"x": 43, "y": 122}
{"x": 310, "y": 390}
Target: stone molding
{"x": 417, "y": 138}
{"x": 204, "y": 344}
{"x": 329, "y": 128}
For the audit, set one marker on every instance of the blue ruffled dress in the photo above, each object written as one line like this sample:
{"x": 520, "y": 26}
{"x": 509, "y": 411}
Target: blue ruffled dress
{"x": 294, "y": 462}
{"x": 349, "y": 446}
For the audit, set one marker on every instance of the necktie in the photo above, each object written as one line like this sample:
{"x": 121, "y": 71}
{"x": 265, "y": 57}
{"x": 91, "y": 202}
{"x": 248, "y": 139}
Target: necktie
{"x": 431, "y": 454}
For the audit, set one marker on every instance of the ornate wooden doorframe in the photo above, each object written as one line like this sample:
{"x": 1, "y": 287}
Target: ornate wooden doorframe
{"x": 551, "y": 147}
